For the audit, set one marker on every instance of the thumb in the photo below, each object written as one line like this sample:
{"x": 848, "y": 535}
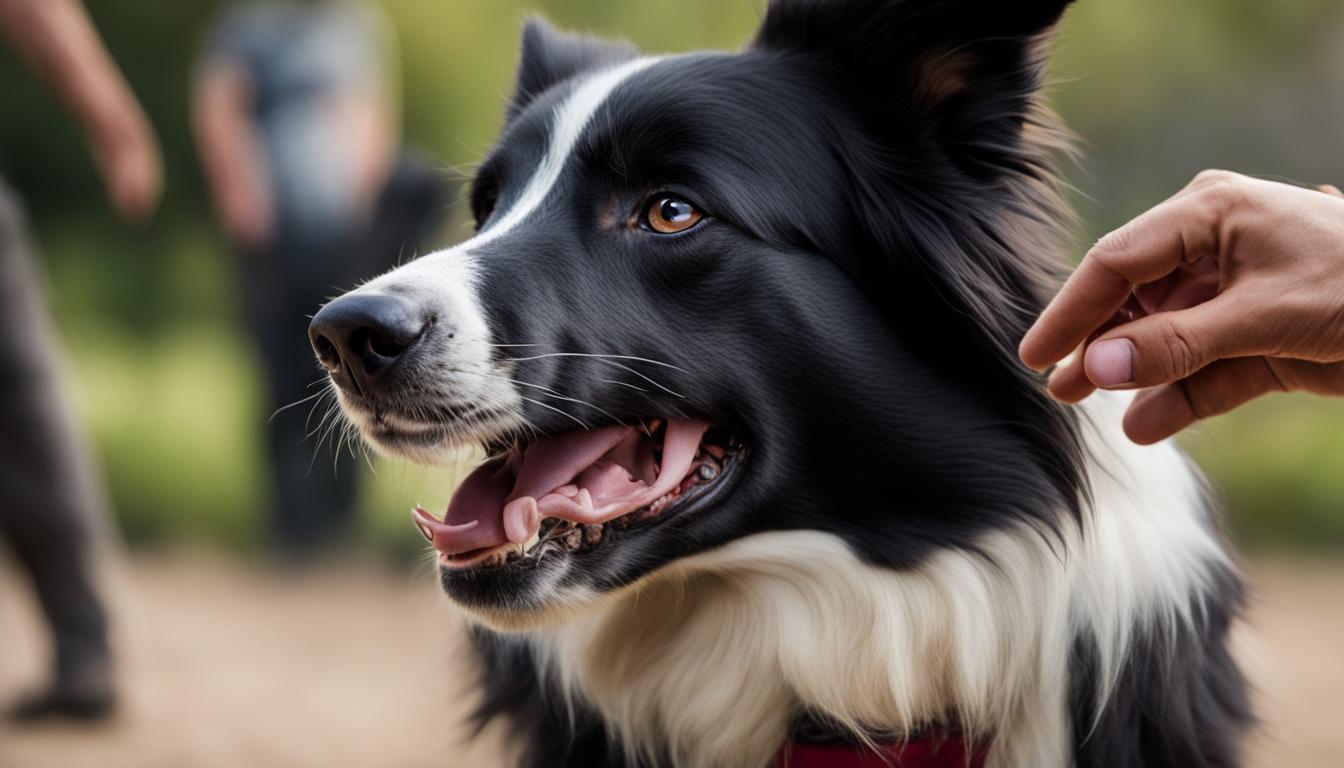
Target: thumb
{"x": 1164, "y": 347}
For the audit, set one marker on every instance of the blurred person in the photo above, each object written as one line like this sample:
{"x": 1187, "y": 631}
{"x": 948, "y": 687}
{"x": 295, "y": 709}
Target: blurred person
{"x": 297, "y": 127}
{"x": 1231, "y": 289}
{"x": 50, "y": 502}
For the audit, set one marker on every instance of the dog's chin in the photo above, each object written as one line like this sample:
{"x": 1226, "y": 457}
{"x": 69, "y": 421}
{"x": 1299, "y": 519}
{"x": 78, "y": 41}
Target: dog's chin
{"x": 429, "y": 445}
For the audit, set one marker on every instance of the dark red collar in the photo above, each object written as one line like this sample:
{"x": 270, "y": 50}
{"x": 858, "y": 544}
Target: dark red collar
{"x": 930, "y": 751}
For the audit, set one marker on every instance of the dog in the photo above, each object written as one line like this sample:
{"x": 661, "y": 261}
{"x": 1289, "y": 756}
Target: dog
{"x": 763, "y": 477}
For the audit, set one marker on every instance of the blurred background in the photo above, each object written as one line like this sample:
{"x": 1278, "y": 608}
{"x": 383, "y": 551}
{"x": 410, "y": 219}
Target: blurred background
{"x": 169, "y": 384}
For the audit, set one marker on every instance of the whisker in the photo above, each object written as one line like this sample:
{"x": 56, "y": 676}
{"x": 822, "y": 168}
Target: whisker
{"x": 599, "y": 357}
{"x": 334, "y": 418}
{"x": 623, "y": 384}
{"x": 557, "y": 410}
{"x": 548, "y": 392}
{"x": 332, "y": 408}
{"x": 308, "y": 420}
{"x": 317, "y": 447}
{"x": 284, "y": 408}
{"x": 642, "y": 376}
{"x": 609, "y": 360}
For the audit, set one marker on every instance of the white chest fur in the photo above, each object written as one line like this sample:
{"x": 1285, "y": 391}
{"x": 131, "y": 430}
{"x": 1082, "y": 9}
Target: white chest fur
{"x": 712, "y": 657}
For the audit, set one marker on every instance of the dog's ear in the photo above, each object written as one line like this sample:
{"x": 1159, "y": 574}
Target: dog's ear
{"x": 550, "y": 56}
{"x": 967, "y": 70}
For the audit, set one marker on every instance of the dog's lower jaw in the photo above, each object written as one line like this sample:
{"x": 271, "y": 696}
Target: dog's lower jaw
{"x": 711, "y": 658}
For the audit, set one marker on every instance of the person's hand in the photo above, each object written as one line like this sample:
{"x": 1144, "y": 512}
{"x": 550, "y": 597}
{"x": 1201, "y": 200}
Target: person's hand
{"x": 235, "y": 165}
{"x": 245, "y": 208}
{"x": 56, "y": 39}
{"x": 127, "y": 156}
{"x": 1229, "y": 290}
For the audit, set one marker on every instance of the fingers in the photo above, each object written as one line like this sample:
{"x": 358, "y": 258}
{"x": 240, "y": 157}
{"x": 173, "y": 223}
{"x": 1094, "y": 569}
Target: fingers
{"x": 1307, "y": 376}
{"x": 1147, "y": 352}
{"x": 1331, "y": 189}
{"x": 1069, "y": 383}
{"x": 134, "y": 184}
{"x": 1146, "y": 249}
{"x": 128, "y": 158}
{"x": 1159, "y": 413}
{"x": 248, "y": 218}
{"x": 1168, "y": 346}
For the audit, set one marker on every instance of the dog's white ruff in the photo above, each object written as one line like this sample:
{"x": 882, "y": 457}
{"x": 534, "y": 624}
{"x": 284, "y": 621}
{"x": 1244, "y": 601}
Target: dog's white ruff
{"x": 712, "y": 656}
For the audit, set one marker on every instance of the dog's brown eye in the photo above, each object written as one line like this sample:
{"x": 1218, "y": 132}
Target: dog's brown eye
{"x": 669, "y": 215}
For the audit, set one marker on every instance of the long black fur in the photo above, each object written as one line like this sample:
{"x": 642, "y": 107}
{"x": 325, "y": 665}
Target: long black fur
{"x": 1180, "y": 700}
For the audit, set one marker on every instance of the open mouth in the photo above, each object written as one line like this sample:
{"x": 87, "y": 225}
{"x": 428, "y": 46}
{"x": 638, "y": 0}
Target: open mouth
{"x": 570, "y": 492}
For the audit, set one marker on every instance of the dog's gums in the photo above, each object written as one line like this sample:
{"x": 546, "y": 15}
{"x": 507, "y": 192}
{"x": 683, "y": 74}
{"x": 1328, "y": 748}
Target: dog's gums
{"x": 567, "y": 492}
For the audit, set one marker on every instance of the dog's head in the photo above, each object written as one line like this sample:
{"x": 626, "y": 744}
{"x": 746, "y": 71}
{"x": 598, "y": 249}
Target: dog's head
{"x": 716, "y": 294}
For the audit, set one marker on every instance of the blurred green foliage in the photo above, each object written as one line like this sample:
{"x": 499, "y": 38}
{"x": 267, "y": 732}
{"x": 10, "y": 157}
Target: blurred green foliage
{"x": 1157, "y": 90}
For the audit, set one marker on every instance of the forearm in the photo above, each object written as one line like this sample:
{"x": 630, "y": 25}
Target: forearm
{"x": 56, "y": 40}
{"x": 228, "y": 151}
{"x": 234, "y": 165}
{"x": 371, "y": 139}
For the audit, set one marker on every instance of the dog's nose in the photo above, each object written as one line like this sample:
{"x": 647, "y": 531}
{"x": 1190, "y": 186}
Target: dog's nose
{"x": 359, "y": 337}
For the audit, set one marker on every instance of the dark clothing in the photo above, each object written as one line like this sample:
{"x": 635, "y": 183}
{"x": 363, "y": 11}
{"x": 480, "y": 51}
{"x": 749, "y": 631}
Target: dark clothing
{"x": 300, "y": 59}
{"x": 313, "y": 488}
{"x": 50, "y": 500}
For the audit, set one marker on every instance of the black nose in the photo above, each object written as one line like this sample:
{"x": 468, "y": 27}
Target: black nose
{"x": 359, "y": 337}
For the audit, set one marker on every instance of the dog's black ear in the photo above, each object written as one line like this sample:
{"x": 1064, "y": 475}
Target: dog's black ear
{"x": 966, "y": 69}
{"x": 551, "y": 56}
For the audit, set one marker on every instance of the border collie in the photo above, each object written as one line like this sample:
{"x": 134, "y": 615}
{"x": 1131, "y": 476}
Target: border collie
{"x": 763, "y": 476}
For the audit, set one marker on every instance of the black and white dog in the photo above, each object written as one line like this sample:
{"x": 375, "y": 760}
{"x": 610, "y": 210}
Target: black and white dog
{"x": 737, "y": 334}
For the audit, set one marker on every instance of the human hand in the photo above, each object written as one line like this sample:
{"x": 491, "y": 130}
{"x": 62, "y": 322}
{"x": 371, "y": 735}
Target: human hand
{"x": 1231, "y": 289}
{"x": 235, "y": 165}
{"x": 56, "y": 39}
{"x": 245, "y": 210}
{"x": 127, "y": 156}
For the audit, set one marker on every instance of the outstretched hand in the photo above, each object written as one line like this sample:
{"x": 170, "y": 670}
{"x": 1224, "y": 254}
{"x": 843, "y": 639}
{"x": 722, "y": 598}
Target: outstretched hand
{"x": 127, "y": 155}
{"x": 1231, "y": 289}
{"x": 57, "y": 41}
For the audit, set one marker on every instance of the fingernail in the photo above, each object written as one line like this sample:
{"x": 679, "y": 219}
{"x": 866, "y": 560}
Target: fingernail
{"x": 1110, "y": 363}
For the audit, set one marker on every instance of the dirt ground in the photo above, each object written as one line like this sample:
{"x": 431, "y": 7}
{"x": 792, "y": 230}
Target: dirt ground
{"x": 230, "y": 665}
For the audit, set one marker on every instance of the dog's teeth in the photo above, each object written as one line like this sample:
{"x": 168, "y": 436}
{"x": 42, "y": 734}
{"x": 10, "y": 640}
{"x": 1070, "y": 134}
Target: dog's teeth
{"x": 574, "y": 538}
{"x": 707, "y": 472}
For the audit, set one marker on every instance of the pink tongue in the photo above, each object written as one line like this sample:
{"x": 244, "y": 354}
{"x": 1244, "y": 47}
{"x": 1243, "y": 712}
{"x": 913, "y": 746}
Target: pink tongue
{"x": 583, "y": 476}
